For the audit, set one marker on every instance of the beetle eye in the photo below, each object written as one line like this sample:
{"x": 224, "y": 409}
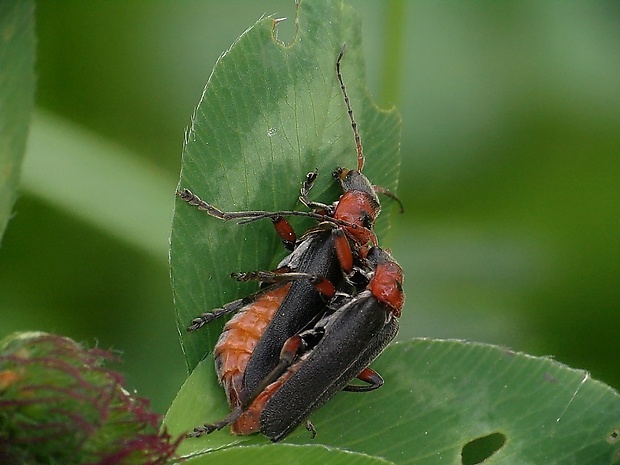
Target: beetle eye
{"x": 367, "y": 220}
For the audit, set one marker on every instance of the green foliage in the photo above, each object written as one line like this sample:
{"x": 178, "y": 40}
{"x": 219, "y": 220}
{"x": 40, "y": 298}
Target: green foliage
{"x": 286, "y": 454}
{"x": 17, "y": 46}
{"x": 115, "y": 192}
{"x": 438, "y": 397}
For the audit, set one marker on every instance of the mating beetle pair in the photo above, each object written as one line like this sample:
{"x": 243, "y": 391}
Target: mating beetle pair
{"x": 328, "y": 310}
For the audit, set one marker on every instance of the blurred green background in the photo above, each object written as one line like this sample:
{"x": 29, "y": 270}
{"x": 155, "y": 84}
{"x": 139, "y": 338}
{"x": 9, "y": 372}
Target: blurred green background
{"x": 510, "y": 172}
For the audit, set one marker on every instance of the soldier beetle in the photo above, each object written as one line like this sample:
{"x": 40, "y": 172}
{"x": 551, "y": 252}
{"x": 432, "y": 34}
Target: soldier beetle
{"x": 330, "y": 257}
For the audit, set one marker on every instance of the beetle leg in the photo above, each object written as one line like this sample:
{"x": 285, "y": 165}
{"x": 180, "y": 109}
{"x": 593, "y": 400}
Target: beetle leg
{"x": 255, "y": 215}
{"x": 323, "y": 285}
{"x": 270, "y": 276}
{"x": 310, "y": 427}
{"x": 368, "y": 375}
{"x": 227, "y": 309}
{"x": 305, "y": 189}
{"x": 285, "y": 231}
{"x": 343, "y": 250}
{"x": 209, "y": 428}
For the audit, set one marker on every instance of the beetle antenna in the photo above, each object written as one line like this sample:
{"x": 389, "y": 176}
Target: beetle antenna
{"x": 391, "y": 195}
{"x": 356, "y": 134}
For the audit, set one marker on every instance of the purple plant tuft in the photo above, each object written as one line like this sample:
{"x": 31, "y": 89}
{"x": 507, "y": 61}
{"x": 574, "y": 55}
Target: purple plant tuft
{"x": 58, "y": 404}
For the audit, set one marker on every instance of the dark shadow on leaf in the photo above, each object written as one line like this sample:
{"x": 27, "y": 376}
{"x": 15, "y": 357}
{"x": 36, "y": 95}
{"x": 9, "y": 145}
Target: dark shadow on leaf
{"x": 480, "y": 449}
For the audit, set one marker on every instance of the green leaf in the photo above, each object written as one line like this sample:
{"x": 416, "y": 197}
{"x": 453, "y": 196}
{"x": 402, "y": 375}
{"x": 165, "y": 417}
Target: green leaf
{"x": 99, "y": 182}
{"x": 17, "y": 84}
{"x": 438, "y": 397}
{"x": 286, "y": 454}
{"x": 269, "y": 114}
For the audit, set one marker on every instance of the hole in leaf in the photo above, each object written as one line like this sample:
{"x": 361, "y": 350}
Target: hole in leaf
{"x": 480, "y": 449}
{"x": 613, "y": 436}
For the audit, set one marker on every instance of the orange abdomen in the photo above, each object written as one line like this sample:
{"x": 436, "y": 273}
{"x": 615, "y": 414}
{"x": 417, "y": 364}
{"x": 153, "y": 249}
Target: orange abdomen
{"x": 239, "y": 338}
